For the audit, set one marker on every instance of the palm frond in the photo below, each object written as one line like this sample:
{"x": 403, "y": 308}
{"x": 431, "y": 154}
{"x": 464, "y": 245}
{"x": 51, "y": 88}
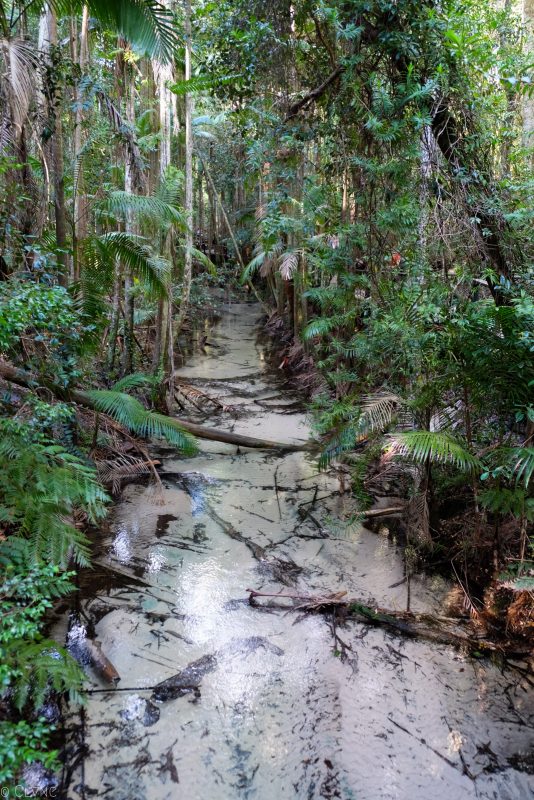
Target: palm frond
{"x": 524, "y": 468}
{"x": 288, "y": 264}
{"x": 133, "y": 381}
{"x": 203, "y": 259}
{"x": 378, "y": 411}
{"x": 320, "y": 327}
{"x": 124, "y": 203}
{"x": 20, "y": 65}
{"x": 129, "y": 412}
{"x": 201, "y": 83}
{"x": 134, "y": 253}
{"x": 114, "y": 471}
{"x": 253, "y": 266}
{"x": 434, "y": 446}
{"x": 146, "y": 24}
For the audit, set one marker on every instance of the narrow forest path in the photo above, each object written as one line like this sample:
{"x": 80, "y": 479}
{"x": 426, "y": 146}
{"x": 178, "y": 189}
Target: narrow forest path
{"x": 268, "y": 711}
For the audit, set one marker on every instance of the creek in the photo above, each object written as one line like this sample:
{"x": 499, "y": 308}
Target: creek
{"x": 271, "y": 706}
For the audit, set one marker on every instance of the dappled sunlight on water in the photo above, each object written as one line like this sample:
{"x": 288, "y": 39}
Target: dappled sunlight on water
{"x": 272, "y": 712}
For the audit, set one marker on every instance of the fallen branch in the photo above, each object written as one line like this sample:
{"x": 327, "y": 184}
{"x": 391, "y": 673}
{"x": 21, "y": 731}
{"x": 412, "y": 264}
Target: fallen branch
{"x": 23, "y": 378}
{"x": 241, "y": 440}
{"x": 382, "y": 512}
{"x": 442, "y": 630}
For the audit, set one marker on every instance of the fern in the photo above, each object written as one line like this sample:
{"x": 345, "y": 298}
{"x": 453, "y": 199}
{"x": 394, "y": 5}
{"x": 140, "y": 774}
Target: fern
{"x": 42, "y": 666}
{"x": 434, "y": 446}
{"x": 31, "y": 666}
{"x": 42, "y": 487}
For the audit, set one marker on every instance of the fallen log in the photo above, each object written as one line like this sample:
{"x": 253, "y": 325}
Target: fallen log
{"x": 434, "y": 628}
{"x": 382, "y": 512}
{"x": 240, "y": 439}
{"x": 29, "y": 380}
{"x": 88, "y": 652}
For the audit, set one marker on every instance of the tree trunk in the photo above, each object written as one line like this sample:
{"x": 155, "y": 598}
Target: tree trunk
{"x": 23, "y": 378}
{"x": 163, "y": 346}
{"x": 528, "y": 98}
{"x": 48, "y": 40}
{"x": 188, "y": 257}
{"x": 81, "y": 208}
{"x": 129, "y": 341}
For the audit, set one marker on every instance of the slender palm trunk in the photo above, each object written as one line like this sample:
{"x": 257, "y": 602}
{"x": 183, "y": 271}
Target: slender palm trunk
{"x": 129, "y": 303}
{"x": 80, "y": 56}
{"x": 48, "y": 40}
{"x": 188, "y": 258}
{"x": 163, "y": 354}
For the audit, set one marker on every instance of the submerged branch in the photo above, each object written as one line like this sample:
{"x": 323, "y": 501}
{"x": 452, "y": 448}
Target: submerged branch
{"x": 442, "y": 630}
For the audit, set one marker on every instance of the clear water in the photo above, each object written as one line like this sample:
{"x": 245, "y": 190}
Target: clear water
{"x": 282, "y": 716}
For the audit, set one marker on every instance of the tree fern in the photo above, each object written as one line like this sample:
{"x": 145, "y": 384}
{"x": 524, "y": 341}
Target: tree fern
{"x": 434, "y": 446}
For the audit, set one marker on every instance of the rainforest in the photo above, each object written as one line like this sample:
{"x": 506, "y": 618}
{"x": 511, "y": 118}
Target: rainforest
{"x": 267, "y": 399}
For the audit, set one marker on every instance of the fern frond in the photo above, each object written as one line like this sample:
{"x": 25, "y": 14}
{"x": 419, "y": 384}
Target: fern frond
{"x": 43, "y": 665}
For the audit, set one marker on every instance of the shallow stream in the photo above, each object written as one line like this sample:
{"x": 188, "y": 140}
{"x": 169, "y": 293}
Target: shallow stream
{"x": 275, "y": 707}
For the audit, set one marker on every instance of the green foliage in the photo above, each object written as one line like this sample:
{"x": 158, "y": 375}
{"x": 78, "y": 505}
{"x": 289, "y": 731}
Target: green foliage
{"x": 133, "y": 415}
{"x": 31, "y": 667}
{"x": 45, "y": 319}
{"x": 22, "y": 743}
{"x": 434, "y": 447}
{"x": 148, "y": 25}
{"x": 151, "y": 208}
{"x": 100, "y": 253}
{"x": 42, "y": 486}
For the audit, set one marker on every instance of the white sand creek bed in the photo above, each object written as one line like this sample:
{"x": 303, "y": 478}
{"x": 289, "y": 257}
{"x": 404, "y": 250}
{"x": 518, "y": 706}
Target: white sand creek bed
{"x": 276, "y": 714}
